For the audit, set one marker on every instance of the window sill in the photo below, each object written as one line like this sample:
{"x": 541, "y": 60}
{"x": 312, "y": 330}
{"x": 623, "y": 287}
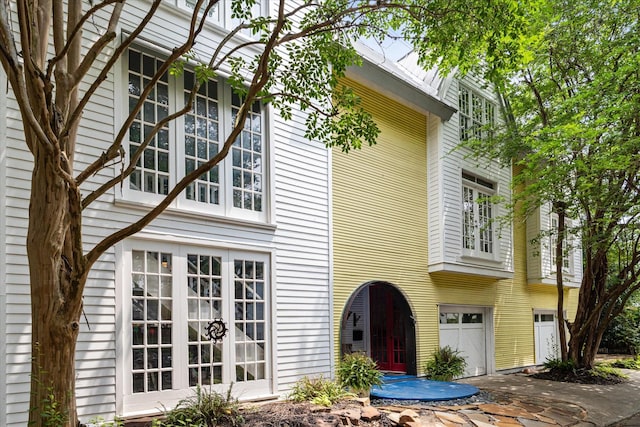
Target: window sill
{"x": 472, "y": 258}
{"x": 141, "y": 206}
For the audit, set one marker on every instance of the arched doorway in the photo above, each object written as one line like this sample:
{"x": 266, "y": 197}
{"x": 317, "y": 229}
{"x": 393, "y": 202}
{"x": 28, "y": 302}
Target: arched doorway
{"x": 378, "y": 320}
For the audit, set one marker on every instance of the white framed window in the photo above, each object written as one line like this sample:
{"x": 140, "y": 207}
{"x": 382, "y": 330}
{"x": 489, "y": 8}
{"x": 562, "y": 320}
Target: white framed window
{"x": 553, "y": 240}
{"x": 171, "y": 294}
{"x": 220, "y": 14}
{"x": 236, "y": 186}
{"x": 478, "y": 234}
{"x": 476, "y": 114}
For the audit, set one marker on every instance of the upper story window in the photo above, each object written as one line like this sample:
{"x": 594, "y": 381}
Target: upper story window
{"x": 234, "y": 187}
{"x": 477, "y": 216}
{"x": 553, "y": 241}
{"x": 477, "y": 114}
{"x": 221, "y": 13}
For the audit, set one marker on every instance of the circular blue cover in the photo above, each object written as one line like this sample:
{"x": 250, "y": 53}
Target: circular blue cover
{"x": 423, "y": 389}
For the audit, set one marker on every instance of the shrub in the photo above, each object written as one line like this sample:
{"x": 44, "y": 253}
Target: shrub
{"x": 204, "y": 409}
{"x": 319, "y": 391}
{"x": 558, "y": 365}
{"x": 358, "y": 373}
{"x": 445, "y": 364}
{"x": 627, "y": 363}
{"x": 623, "y": 333}
{"x": 606, "y": 371}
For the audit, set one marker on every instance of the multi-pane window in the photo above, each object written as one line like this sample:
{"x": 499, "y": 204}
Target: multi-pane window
{"x": 204, "y": 303}
{"x": 152, "y": 168}
{"x": 247, "y": 159}
{"x": 175, "y": 296}
{"x": 236, "y": 185}
{"x": 476, "y": 114}
{"x": 201, "y": 139}
{"x": 553, "y": 241}
{"x": 151, "y": 321}
{"x": 249, "y": 305}
{"x": 477, "y": 215}
{"x": 221, "y": 14}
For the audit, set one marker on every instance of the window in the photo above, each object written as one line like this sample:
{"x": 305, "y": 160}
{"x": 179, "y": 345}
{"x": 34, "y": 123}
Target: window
{"x": 477, "y": 216}
{"x": 235, "y": 187}
{"x": 220, "y": 14}
{"x": 174, "y": 292}
{"x": 553, "y": 241}
{"x": 476, "y": 113}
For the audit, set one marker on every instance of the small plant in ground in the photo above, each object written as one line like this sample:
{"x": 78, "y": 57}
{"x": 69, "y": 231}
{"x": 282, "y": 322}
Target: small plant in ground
{"x": 358, "y": 373}
{"x": 51, "y": 414}
{"x": 606, "y": 371}
{"x": 558, "y": 364}
{"x": 204, "y": 409}
{"x": 319, "y": 391}
{"x": 445, "y": 364}
{"x": 100, "y": 422}
{"x": 626, "y": 363}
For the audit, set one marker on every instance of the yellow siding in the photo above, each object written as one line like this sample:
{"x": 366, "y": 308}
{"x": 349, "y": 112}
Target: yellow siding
{"x": 380, "y": 212}
{"x": 380, "y": 233}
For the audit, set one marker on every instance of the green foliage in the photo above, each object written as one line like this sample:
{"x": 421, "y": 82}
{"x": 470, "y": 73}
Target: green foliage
{"x": 358, "y": 373}
{"x": 52, "y": 413}
{"x": 319, "y": 391}
{"x": 623, "y": 333}
{"x": 204, "y": 409}
{"x": 560, "y": 365}
{"x": 606, "y": 371}
{"x": 572, "y": 132}
{"x": 100, "y": 422}
{"x": 445, "y": 364}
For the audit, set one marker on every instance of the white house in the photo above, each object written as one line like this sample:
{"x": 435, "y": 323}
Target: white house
{"x": 248, "y": 244}
{"x": 252, "y": 242}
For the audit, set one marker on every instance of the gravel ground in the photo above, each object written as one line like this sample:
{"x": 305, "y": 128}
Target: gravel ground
{"x": 481, "y": 397}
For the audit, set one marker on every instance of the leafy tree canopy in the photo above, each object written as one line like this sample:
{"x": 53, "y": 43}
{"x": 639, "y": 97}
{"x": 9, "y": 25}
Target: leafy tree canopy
{"x": 573, "y": 129}
{"x": 293, "y": 60}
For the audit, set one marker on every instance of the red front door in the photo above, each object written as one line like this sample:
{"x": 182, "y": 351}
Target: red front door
{"x": 388, "y": 344}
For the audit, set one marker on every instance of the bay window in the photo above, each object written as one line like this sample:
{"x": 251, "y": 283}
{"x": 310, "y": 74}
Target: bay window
{"x": 234, "y": 187}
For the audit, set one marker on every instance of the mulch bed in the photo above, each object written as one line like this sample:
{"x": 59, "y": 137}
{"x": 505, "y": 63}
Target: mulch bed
{"x": 580, "y": 376}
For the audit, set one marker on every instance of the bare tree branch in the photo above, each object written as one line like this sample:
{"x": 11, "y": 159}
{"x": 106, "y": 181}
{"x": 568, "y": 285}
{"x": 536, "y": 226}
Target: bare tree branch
{"x": 260, "y": 78}
{"x": 98, "y": 46}
{"x": 78, "y": 27}
{"x": 114, "y": 149}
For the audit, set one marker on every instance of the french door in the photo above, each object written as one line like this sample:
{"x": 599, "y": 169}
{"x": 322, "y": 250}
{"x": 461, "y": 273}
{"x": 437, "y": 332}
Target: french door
{"x": 388, "y": 338}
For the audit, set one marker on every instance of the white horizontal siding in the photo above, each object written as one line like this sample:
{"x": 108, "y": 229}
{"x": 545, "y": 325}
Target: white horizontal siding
{"x": 446, "y": 174}
{"x": 302, "y": 245}
{"x": 3, "y": 245}
{"x": 300, "y": 192}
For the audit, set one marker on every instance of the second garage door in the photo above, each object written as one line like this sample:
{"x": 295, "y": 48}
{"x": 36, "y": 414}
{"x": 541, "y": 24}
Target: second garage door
{"x": 464, "y": 329}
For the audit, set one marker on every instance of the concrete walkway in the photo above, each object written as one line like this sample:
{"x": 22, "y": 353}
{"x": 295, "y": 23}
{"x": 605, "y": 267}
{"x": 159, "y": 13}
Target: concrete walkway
{"x": 605, "y": 405}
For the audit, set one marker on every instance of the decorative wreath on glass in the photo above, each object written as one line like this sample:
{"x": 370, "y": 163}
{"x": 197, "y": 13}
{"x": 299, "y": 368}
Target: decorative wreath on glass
{"x": 216, "y": 330}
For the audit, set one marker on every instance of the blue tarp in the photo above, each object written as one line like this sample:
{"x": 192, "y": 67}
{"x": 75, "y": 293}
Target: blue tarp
{"x": 407, "y": 387}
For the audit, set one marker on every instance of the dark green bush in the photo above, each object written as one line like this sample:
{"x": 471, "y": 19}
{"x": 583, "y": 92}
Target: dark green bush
{"x": 358, "y": 373}
{"x": 623, "y": 333}
{"x": 445, "y": 364}
{"x": 559, "y": 365}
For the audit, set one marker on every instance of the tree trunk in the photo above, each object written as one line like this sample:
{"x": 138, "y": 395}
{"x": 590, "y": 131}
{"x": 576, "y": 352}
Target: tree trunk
{"x": 562, "y": 333}
{"x": 54, "y": 316}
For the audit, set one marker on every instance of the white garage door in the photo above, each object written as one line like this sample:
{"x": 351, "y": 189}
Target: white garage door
{"x": 546, "y": 336}
{"x": 464, "y": 329}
